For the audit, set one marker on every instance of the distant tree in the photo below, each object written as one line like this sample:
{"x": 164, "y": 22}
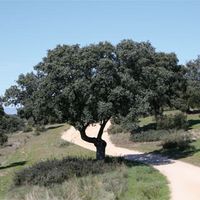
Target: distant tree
{"x": 8, "y": 124}
{"x": 3, "y": 137}
{"x": 189, "y": 92}
{"x": 158, "y": 73}
{"x": 164, "y": 79}
{"x": 22, "y": 94}
{"x": 192, "y": 94}
{"x": 2, "y": 113}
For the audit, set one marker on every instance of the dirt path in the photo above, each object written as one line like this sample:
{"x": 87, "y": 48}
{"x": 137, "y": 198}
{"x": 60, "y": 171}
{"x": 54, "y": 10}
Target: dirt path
{"x": 184, "y": 179}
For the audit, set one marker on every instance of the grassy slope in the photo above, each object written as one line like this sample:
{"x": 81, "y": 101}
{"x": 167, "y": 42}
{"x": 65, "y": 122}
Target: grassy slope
{"x": 190, "y": 156}
{"x": 45, "y": 146}
{"x": 146, "y": 183}
{"x": 194, "y": 156}
{"x": 143, "y": 181}
{"x": 138, "y": 182}
{"x": 122, "y": 140}
{"x": 193, "y": 119}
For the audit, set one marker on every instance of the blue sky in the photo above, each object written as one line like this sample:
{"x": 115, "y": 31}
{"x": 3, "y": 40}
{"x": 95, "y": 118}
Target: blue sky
{"x": 28, "y": 29}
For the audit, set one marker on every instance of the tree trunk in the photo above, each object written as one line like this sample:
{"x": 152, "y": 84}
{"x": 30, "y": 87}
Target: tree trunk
{"x": 101, "y": 149}
{"x": 98, "y": 142}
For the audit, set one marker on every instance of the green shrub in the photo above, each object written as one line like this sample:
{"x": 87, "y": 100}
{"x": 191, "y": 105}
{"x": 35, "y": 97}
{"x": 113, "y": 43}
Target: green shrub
{"x": 108, "y": 186}
{"x": 36, "y": 133}
{"x": 11, "y": 124}
{"x": 115, "y": 128}
{"x": 57, "y": 171}
{"x": 40, "y": 128}
{"x": 148, "y": 136}
{"x": 31, "y": 121}
{"x": 63, "y": 144}
{"x": 178, "y": 140}
{"x": 177, "y": 121}
{"x": 28, "y": 128}
{"x": 3, "y": 138}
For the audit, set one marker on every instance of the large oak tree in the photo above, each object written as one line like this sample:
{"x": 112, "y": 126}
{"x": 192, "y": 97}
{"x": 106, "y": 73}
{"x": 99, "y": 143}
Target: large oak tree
{"x": 92, "y": 84}
{"x": 83, "y": 86}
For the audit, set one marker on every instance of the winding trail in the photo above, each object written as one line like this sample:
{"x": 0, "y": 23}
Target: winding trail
{"x": 183, "y": 178}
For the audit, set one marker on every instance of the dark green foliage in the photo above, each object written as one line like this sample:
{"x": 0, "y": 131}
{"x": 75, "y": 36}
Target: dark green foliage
{"x": 81, "y": 86}
{"x": 10, "y": 124}
{"x": 96, "y": 82}
{"x": 176, "y": 140}
{"x": 158, "y": 73}
{"x": 190, "y": 92}
{"x": 176, "y": 121}
{"x": 3, "y": 138}
{"x": 162, "y": 78}
{"x": 57, "y": 171}
{"x": 149, "y": 136}
{"x": 1, "y": 110}
{"x": 92, "y": 84}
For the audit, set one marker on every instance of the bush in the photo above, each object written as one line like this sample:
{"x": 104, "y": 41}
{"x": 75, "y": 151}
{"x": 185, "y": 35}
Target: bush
{"x": 148, "y": 136}
{"x": 3, "y": 138}
{"x": 57, "y": 171}
{"x": 63, "y": 144}
{"x": 40, "y": 128}
{"x": 36, "y": 133}
{"x": 107, "y": 186}
{"x": 177, "y": 121}
{"x": 177, "y": 140}
{"x": 27, "y": 128}
{"x": 115, "y": 128}
{"x": 10, "y": 124}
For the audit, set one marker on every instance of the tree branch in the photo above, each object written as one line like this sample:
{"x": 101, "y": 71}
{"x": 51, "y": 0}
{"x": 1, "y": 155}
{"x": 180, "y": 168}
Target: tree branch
{"x": 102, "y": 126}
{"x": 85, "y": 137}
{"x": 92, "y": 139}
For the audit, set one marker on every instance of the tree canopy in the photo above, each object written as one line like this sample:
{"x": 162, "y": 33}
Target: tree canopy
{"x": 92, "y": 84}
{"x": 192, "y": 94}
{"x": 3, "y": 137}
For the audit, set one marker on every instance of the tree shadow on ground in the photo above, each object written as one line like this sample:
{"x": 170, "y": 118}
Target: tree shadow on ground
{"x": 192, "y": 122}
{"x": 15, "y": 164}
{"x": 177, "y": 153}
{"x": 163, "y": 156}
{"x": 149, "y": 158}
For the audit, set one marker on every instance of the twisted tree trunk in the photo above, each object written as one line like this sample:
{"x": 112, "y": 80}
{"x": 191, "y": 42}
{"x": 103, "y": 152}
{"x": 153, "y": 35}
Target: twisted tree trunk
{"x": 101, "y": 149}
{"x": 98, "y": 142}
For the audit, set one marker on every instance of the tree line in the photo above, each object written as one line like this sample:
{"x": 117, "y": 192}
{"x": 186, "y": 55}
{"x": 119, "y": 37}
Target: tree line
{"x": 8, "y": 124}
{"x": 94, "y": 83}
